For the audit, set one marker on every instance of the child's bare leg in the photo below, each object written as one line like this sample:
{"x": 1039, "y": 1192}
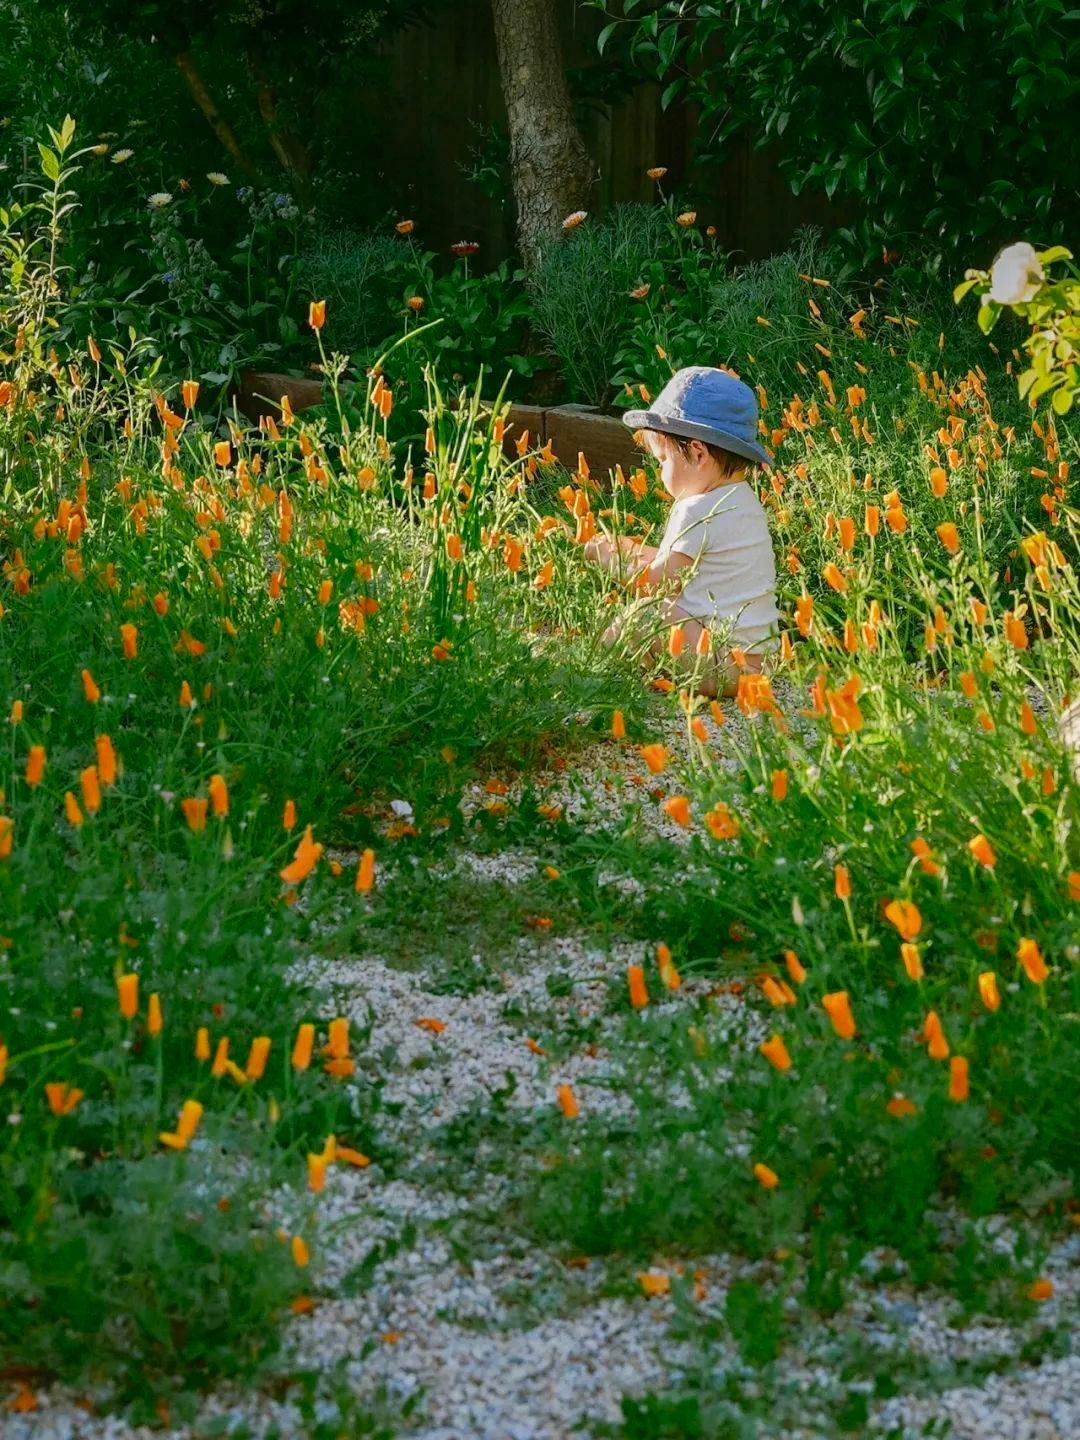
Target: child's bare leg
{"x": 716, "y": 674}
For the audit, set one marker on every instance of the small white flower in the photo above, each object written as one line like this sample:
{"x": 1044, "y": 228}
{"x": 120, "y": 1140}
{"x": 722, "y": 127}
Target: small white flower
{"x": 1016, "y": 275}
{"x": 402, "y": 809}
{"x": 120, "y": 156}
{"x": 159, "y": 200}
{"x": 99, "y": 149}
{"x": 217, "y": 178}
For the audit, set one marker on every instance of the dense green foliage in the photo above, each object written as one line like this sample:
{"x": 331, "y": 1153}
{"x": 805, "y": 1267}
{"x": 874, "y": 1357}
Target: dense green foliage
{"x": 948, "y": 123}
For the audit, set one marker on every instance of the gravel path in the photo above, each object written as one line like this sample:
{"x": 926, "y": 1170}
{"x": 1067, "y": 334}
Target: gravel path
{"x": 491, "y": 1337}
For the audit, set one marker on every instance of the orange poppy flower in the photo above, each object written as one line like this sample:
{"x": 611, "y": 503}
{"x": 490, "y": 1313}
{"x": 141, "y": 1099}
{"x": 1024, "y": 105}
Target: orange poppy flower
{"x": 635, "y": 979}
{"x": 1030, "y": 957}
{"x": 983, "y": 851}
{"x": 765, "y": 1177}
{"x": 35, "y": 765}
{"x": 776, "y": 1052}
{"x": 988, "y": 991}
{"x": 838, "y": 1008}
{"x": 905, "y": 916}
{"x": 568, "y": 1102}
{"x": 678, "y": 807}
{"x": 958, "y": 1078}
{"x": 127, "y": 994}
{"x": 302, "y": 1047}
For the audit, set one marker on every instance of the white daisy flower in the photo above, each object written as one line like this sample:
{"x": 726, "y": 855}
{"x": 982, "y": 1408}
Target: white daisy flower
{"x": 159, "y": 200}
{"x": 121, "y": 155}
{"x": 217, "y": 178}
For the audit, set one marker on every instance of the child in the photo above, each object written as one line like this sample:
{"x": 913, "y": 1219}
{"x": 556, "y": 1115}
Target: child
{"x": 715, "y": 561}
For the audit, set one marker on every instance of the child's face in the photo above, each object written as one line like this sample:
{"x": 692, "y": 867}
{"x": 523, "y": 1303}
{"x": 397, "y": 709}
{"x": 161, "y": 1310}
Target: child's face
{"x": 681, "y": 474}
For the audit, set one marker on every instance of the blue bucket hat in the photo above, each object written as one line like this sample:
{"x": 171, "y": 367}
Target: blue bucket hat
{"x": 701, "y": 403}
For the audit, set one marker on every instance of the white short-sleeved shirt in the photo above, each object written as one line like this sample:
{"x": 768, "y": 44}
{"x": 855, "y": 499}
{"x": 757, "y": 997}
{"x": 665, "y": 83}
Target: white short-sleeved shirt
{"x": 734, "y": 580}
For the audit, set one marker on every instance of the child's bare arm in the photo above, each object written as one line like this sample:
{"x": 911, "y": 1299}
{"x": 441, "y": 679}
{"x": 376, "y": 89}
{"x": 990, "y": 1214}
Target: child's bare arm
{"x": 614, "y": 555}
{"x": 667, "y": 575}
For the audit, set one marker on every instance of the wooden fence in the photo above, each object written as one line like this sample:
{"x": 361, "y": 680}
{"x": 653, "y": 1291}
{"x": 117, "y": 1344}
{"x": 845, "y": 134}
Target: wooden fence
{"x": 445, "y": 81}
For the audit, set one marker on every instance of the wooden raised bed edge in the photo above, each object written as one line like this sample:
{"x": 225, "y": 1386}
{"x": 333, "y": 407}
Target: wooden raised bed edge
{"x": 572, "y": 430}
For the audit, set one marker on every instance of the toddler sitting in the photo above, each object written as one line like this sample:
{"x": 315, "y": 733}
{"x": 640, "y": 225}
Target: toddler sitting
{"x": 714, "y": 568}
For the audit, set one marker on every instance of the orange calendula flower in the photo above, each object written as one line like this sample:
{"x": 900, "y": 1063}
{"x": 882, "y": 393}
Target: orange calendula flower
{"x": 303, "y": 1046}
{"x": 1030, "y": 957}
{"x": 35, "y": 765}
{"x": 365, "y": 872}
{"x": 186, "y": 697}
{"x": 154, "y": 1021}
{"x": 949, "y": 536}
{"x": 129, "y": 640}
{"x": 655, "y": 757}
{"x": 71, "y": 810}
{"x": 300, "y": 1253}
{"x": 838, "y": 1008}
{"x": 958, "y": 1078}
{"x": 922, "y": 852}
{"x": 988, "y": 990}
{"x": 842, "y": 879}
{"x": 568, "y": 1102}
{"x": 62, "y": 1098}
{"x": 127, "y": 994}
{"x": 779, "y": 784}
{"x": 257, "y": 1057}
{"x": 288, "y": 819}
{"x": 304, "y": 861}
{"x": 983, "y": 852}
{"x": 202, "y": 1043}
{"x": 766, "y": 1178}
{"x": 90, "y": 689}
{"x": 635, "y": 979}
{"x": 618, "y": 725}
{"x": 905, "y": 916}
{"x": 776, "y": 1052}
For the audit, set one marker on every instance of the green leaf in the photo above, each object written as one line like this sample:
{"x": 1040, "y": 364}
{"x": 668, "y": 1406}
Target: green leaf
{"x": 50, "y": 165}
{"x": 989, "y": 312}
{"x": 1056, "y": 252}
{"x": 605, "y": 35}
{"x": 1062, "y": 400}
{"x": 962, "y": 289}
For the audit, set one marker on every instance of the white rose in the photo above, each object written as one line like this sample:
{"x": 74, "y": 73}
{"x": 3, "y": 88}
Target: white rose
{"x": 1016, "y": 275}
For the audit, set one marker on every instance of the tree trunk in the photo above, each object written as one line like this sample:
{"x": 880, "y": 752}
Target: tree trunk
{"x": 291, "y": 151}
{"x": 185, "y": 63}
{"x": 551, "y": 168}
